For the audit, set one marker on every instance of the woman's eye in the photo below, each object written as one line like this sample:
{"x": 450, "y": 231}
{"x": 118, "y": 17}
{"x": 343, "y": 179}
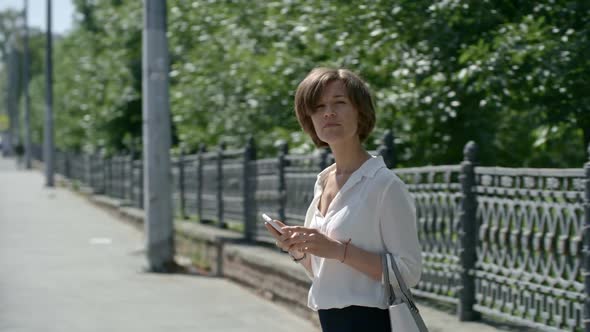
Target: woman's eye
{"x": 340, "y": 102}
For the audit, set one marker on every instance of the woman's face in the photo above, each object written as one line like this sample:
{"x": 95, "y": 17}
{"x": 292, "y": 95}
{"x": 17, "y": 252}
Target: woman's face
{"x": 334, "y": 117}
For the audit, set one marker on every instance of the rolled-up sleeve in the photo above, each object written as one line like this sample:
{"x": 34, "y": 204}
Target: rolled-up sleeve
{"x": 399, "y": 232}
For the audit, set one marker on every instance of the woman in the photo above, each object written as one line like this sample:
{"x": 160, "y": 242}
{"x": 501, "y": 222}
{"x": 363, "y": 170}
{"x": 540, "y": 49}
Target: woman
{"x": 360, "y": 209}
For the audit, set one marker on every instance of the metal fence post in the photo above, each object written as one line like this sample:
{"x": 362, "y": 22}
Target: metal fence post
{"x": 103, "y": 173}
{"x": 113, "y": 176}
{"x": 283, "y": 163}
{"x": 141, "y": 182}
{"x": 95, "y": 169}
{"x": 283, "y": 152}
{"x": 249, "y": 190}
{"x": 105, "y": 167}
{"x": 109, "y": 181}
{"x": 586, "y": 235}
{"x": 118, "y": 176}
{"x": 67, "y": 170}
{"x": 129, "y": 178}
{"x": 202, "y": 149}
{"x": 122, "y": 177}
{"x": 468, "y": 235}
{"x": 88, "y": 161}
{"x": 387, "y": 149}
{"x": 86, "y": 167}
{"x": 95, "y": 173}
{"x": 181, "y": 186}
{"x": 221, "y": 222}
{"x": 90, "y": 174}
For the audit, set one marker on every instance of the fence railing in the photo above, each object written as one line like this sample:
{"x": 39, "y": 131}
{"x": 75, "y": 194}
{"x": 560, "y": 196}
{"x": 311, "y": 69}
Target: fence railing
{"x": 507, "y": 242}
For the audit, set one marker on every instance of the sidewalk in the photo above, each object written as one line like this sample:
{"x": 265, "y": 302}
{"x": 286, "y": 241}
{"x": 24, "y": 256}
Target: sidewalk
{"x": 68, "y": 266}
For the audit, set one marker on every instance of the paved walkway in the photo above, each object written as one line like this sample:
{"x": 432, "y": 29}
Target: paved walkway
{"x": 68, "y": 266}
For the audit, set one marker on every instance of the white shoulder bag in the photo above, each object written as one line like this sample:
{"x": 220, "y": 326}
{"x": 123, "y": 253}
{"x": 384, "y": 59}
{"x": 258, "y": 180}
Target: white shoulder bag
{"x": 403, "y": 313}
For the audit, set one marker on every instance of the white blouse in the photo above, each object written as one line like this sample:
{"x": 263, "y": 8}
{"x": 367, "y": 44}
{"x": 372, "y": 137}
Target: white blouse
{"x": 375, "y": 210}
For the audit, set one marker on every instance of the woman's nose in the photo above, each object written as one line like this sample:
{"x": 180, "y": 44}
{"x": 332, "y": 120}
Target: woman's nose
{"x": 329, "y": 112}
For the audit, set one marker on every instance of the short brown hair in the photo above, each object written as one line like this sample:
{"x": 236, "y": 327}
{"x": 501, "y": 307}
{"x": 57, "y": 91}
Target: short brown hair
{"x": 313, "y": 85}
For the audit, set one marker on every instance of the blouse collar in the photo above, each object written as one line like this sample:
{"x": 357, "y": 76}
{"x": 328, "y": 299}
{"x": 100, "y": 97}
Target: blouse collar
{"x": 368, "y": 169}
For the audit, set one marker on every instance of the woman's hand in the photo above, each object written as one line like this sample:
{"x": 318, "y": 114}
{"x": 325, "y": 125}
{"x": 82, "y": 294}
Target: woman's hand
{"x": 282, "y": 238}
{"x": 310, "y": 240}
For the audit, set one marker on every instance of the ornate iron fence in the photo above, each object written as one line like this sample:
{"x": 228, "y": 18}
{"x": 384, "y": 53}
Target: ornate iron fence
{"x": 177, "y": 170}
{"x": 507, "y": 242}
{"x": 209, "y": 186}
{"x": 137, "y": 183}
{"x": 232, "y": 187}
{"x": 190, "y": 185}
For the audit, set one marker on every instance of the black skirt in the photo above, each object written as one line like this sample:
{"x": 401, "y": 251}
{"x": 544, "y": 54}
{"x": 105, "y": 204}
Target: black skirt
{"x": 355, "y": 319}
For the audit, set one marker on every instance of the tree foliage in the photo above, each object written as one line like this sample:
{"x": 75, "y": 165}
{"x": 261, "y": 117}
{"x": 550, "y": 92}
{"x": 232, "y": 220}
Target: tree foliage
{"x": 511, "y": 75}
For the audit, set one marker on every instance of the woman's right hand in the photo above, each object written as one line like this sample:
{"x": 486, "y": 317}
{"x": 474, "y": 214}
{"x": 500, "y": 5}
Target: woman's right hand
{"x": 281, "y": 238}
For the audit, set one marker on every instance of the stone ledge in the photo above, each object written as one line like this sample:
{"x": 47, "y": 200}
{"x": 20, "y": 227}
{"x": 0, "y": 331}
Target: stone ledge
{"x": 132, "y": 214}
{"x": 206, "y": 233}
{"x": 106, "y": 201}
{"x": 271, "y": 260}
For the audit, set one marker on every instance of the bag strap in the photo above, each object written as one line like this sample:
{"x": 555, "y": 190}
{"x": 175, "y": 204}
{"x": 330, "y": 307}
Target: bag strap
{"x": 406, "y": 295}
{"x": 389, "y": 294}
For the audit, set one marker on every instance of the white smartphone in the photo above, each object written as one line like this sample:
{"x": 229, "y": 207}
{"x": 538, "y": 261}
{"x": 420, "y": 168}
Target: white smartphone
{"x": 272, "y": 223}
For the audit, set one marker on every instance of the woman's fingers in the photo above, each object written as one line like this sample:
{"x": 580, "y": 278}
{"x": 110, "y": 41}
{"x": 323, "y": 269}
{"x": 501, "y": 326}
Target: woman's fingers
{"x": 295, "y": 238}
{"x": 278, "y": 236}
{"x": 272, "y": 231}
{"x": 304, "y": 247}
{"x": 301, "y": 229}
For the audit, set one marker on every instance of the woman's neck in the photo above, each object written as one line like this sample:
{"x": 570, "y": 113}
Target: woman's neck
{"x": 349, "y": 157}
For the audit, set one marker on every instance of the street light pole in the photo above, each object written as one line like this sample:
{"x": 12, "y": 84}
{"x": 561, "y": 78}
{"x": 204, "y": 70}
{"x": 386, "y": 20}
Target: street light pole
{"x": 48, "y": 145}
{"x": 157, "y": 139}
{"x": 26, "y": 89}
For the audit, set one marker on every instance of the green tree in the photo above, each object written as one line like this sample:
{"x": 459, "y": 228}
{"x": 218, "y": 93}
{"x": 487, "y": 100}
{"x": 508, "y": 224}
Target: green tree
{"x": 510, "y": 75}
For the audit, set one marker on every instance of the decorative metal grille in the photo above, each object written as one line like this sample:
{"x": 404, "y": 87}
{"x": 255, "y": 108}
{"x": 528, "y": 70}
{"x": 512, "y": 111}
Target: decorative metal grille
{"x": 300, "y": 176}
{"x": 117, "y": 184}
{"x": 209, "y": 195}
{"x": 96, "y": 174}
{"x": 267, "y": 194}
{"x": 137, "y": 184}
{"x": 191, "y": 183}
{"x": 233, "y": 187}
{"x": 437, "y": 194}
{"x": 77, "y": 167}
{"x": 529, "y": 265}
{"x": 175, "y": 165}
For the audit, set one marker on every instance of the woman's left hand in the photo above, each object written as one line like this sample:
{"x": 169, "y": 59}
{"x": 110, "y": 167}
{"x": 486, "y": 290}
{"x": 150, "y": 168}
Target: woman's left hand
{"x": 310, "y": 240}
